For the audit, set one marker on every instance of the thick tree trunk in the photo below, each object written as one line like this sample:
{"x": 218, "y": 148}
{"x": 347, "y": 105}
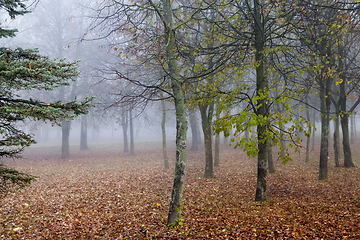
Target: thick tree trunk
{"x": 262, "y": 103}
{"x": 174, "y": 216}
{"x": 132, "y": 150}
{"x": 83, "y": 133}
{"x": 163, "y": 130}
{"x": 194, "y": 131}
{"x": 124, "y": 124}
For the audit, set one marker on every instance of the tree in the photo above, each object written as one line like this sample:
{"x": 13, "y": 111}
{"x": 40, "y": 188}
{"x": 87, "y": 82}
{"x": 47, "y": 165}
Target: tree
{"x": 24, "y": 69}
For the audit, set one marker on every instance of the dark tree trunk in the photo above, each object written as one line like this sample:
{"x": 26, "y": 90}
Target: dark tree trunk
{"x": 325, "y": 87}
{"x": 346, "y": 143}
{"x": 163, "y": 130}
{"x": 83, "y": 133}
{"x": 206, "y": 117}
{"x": 132, "y": 151}
{"x": 124, "y": 124}
{"x": 194, "y": 131}
{"x": 344, "y": 113}
{"x": 262, "y": 102}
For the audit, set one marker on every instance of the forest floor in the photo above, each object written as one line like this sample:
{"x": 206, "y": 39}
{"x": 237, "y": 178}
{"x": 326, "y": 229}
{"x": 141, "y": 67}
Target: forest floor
{"x": 103, "y": 193}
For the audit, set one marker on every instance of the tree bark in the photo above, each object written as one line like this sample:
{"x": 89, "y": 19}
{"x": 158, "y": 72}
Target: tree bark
{"x": 83, "y": 133}
{"x": 262, "y": 103}
{"x": 325, "y": 87}
{"x": 163, "y": 130}
{"x": 174, "y": 216}
{"x": 206, "y": 119}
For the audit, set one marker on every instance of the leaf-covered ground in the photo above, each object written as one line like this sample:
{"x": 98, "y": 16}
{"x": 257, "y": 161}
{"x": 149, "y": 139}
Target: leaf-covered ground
{"x": 105, "y": 194}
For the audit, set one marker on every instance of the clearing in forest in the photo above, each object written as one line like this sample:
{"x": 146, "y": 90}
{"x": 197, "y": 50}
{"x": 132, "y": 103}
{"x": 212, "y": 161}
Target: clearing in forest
{"x": 105, "y": 194}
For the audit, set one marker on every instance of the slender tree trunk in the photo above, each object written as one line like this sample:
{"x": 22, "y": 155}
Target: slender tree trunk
{"x": 313, "y": 131}
{"x": 346, "y": 143}
{"x": 352, "y": 123}
{"x": 270, "y": 158}
{"x": 174, "y": 216}
{"x": 309, "y": 129}
{"x": 344, "y": 113}
{"x": 262, "y": 103}
{"x": 163, "y": 130}
{"x": 65, "y": 130}
{"x": 83, "y": 133}
{"x": 66, "y": 125}
{"x": 217, "y": 141}
{"x": 124, "y": 124}
{"x": 132, "y": 151}
{"x": 194, "y": 131}
{"x": 336, "y": 135}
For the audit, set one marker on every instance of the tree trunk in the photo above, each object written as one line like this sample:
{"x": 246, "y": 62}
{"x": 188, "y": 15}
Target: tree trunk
{"x": 124, "y": 124}
{"x": 352, "y": 123}
{"x": 325, "y": 124}
{"x": 344, "y": 114}
{"x": 132, "y": 151}
{"x": 346, "y": 143}
{"x": 313, "y": 131}
{"x": 206, "y": 118}
{"x": 217, "y": 140}
{"x": 336, "y": 135}
{"x": 262, "y": 103}
{"x": 309, "y": 129}
{"x": 163, "y": 130}
{"x": 65, "y": 130}
{"x": 83, "y": 133}
{"x": 194, "y": 131}
{"x": 270, "y": 158}
{"x": 174, "y": 216}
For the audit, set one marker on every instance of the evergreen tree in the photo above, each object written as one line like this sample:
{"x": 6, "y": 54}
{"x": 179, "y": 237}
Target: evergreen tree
{"x": 25, "y": 70}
